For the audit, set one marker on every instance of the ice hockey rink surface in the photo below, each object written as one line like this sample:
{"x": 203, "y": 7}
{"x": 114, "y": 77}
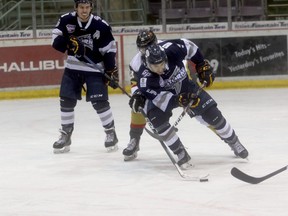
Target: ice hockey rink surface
{"x": 88, "y": 181}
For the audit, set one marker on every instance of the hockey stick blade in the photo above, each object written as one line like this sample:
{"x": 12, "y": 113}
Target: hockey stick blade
{"x": 194, "y": 178}
{"x": 187, "y": 177}
{"x": 254, "y": 180}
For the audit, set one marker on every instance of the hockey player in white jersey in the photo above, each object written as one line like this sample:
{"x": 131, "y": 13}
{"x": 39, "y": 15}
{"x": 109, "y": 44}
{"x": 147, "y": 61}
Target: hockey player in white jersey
{"x": 86, "y": 38}
{"x": 163, "y": 85}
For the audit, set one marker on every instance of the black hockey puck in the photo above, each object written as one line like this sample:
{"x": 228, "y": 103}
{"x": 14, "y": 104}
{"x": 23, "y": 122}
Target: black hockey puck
{"x": 204, "y": 180}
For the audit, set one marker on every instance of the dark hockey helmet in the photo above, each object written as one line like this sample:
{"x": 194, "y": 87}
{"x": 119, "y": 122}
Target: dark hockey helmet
{"x": 83, "y": 1}
{"x": 155, "y": 54}
{"x": 145, "y": 38}
{"x": 155, "y": 58}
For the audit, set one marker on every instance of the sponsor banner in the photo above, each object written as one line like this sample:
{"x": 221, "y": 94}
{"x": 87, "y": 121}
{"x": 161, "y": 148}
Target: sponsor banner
{"x": 199, "y": 27}
{"x": 246, "y": 56}
{"x": 273, "y": 24}
{"x": 30, "y": 66}
{"x": 189, "y": 27}
{"x": 44, "y": 33}
{"x": 135, "y": 29}
{"x": 206, "y": 27}
{"x": 16, "y": 34}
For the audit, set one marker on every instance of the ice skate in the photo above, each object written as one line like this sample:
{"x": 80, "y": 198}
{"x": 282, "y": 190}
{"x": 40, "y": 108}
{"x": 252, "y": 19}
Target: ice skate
{"x": 130, "y": 152}
{"x": 63, "y": 144}
{"x": 184, "y": 160}
{"x": 111, "y": 140}
{"x": 239, "y": 150}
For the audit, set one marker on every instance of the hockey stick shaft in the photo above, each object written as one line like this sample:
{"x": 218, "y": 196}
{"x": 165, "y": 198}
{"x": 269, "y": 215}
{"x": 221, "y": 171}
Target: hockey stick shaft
{"x": 254, "y": 180}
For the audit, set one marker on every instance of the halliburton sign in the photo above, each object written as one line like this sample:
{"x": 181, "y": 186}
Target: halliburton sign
{"x": 30, "y": 66}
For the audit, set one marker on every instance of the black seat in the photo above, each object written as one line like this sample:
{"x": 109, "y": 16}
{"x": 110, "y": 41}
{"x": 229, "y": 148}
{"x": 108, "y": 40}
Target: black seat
{"x": 173, "y": 16}
{"x": 221, "y": 10}
{"x": 251, "y": 10}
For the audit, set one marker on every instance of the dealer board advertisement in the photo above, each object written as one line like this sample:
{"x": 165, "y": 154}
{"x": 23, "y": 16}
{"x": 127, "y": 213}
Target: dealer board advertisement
{"x": 246, "y": 56}
{"x": 30, "y": 66}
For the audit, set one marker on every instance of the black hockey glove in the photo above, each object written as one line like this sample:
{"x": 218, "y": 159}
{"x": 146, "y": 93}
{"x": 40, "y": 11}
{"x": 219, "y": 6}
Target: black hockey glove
{"x": 113, "y": 79}
{"x": 185, "y": 98}
{"x": 137, "y": 100}
{"x": 205, "y": 73}
{"x": 76, "y": 46}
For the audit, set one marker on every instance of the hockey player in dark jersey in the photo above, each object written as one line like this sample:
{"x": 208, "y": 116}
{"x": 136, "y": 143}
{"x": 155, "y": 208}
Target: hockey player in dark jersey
{"x": 91, "y": 51}
{"x": 144, "y": 39}
{"x": 163, "y": 85}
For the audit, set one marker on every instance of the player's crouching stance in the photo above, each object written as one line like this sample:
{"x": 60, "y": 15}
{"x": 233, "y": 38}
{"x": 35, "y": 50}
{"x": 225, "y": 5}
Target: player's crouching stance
{"x": 86, "y": 38}
{"x": 163, "y": 85}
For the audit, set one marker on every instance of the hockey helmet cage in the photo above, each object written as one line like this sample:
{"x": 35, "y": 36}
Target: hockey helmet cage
{"x": 145, "y": 38}
{"x": 155, "y": 54}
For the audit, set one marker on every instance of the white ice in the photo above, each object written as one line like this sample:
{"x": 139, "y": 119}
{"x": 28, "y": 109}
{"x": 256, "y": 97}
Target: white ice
{"x": 89, "y": 181}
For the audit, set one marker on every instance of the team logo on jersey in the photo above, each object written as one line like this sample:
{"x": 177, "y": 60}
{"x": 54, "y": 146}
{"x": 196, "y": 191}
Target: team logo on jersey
{"x": 70, "y": 28}
{"x": 87, "y": 40}
{"x": 178, "y": 75}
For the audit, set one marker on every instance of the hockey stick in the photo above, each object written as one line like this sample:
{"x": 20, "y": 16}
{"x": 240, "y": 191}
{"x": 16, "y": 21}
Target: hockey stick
{"x": 254, "y": 180}
{"x": 174, "y": 127}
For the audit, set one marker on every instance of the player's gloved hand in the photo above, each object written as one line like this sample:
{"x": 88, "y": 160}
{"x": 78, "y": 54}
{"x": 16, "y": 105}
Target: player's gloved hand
{"x": 113, "y": 80}
{"x": 76, "y": 46}
{"x": 205, "y": 73}
{"x": 136, "y": 101}
{"x": 186, "y": 97}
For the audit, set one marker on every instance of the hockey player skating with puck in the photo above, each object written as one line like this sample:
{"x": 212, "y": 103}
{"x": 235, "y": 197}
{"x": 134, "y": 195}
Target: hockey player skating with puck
{"x": 83, "y": 35}
{"x": 144, "y": 39}
{"x": 163, "y": 85}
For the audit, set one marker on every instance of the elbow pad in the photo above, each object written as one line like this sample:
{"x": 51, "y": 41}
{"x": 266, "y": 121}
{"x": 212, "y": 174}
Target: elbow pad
{"x": 60, "y": 44}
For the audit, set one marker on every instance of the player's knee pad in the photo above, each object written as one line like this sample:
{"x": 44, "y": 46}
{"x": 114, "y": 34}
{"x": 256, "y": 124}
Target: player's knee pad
{"x": 101, "y": 106}
{"x": 214, "y": 117}
{"x": 67, "y": 104}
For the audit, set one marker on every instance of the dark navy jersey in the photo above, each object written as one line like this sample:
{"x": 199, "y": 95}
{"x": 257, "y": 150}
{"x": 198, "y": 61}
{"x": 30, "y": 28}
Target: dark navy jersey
{"x": 96, "y": 35}
{"x": 161, "y": 89}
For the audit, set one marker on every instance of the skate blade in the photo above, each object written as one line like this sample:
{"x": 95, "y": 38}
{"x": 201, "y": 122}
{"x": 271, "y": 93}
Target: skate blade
{"x": 61, "y": 151}
{"x": 130, "y": 158}
{"x": 112, "y": 148}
